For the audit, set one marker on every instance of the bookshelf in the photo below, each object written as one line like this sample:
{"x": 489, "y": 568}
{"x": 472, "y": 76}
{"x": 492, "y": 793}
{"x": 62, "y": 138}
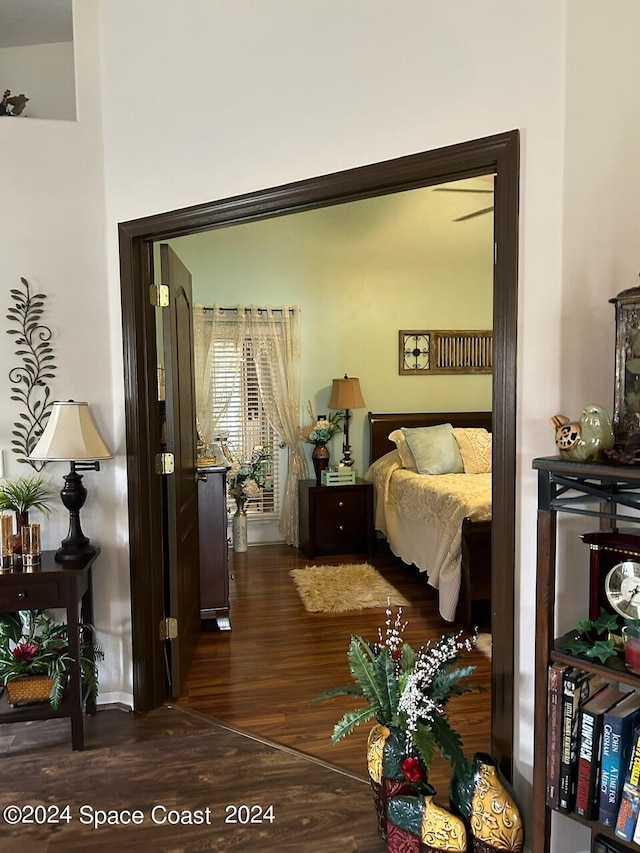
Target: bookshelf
{"x": 609, "y": 495}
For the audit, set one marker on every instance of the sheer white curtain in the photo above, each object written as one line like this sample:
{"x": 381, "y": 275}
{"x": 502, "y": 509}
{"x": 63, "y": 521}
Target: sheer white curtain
{"x": 219, "y": 335}
{"x": 275, "y": 340}
{"x": 216, "y": 330}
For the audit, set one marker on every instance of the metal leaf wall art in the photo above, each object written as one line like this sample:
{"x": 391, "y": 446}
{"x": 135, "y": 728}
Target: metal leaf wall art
{"x": 29, "y": 380}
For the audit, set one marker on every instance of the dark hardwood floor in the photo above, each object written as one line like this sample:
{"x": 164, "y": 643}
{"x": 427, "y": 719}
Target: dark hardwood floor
{"x": 246, "y": 732}
{"x": 172, "y": 781}
{"x": 263, "y": 675}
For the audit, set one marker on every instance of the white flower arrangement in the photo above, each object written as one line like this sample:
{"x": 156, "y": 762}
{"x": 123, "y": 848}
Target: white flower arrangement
{"x": 246, "y": 480}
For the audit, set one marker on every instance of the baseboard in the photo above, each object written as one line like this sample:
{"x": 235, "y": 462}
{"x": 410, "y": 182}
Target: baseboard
{"x": 115, "y": 699}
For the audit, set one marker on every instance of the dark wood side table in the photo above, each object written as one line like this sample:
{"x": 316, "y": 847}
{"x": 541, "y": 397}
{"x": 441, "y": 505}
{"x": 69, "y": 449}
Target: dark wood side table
{"x": 214, "y": 551}
{"x": 47, "y": 587}
{"x": 336, "y": 519}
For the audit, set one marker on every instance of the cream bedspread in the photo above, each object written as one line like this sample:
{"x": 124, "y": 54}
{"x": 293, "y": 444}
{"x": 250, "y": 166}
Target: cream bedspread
{"x": 421, "y": 515}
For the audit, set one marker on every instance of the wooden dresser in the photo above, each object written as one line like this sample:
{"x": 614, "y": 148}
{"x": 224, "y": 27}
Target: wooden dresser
{"x": 214, "y": 551}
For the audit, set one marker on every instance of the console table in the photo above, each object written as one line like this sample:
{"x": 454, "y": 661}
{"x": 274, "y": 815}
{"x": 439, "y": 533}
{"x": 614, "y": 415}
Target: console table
{"x": 46, "y": 587}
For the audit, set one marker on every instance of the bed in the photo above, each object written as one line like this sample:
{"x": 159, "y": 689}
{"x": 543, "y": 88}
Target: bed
{"x": 440, "y": 523}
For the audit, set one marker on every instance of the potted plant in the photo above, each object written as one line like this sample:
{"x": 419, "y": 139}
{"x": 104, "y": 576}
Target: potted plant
{"x": 406, "y": 692}
{"x": 21, "y": 495}
{"x": 33, "y": 646}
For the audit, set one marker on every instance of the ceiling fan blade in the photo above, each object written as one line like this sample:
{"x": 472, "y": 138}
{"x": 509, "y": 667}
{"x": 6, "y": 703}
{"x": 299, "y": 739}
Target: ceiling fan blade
{"x": 459, "y": 190}
{"x": 474, "y": 214}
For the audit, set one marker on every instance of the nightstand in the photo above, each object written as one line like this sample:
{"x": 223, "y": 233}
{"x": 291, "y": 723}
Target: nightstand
{"x": 336, "y": 519}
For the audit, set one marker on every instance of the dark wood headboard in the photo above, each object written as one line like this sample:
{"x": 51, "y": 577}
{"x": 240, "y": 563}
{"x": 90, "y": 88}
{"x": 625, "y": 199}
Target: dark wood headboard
{"x": 380, "y": 425}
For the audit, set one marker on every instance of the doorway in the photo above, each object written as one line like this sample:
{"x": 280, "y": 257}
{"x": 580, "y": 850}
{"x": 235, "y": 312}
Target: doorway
{"x": 497, "y": 155}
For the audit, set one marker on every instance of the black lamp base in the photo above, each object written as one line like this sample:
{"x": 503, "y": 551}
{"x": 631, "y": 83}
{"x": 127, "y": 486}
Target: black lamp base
{"x": 75, "y": 554}
{"x": 76, "y": 547}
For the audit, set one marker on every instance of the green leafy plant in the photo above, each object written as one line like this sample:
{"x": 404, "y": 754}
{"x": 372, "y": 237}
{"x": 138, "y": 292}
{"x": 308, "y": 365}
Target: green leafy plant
{"x": 25, "y": 493}
{"x": 592, "y": 638}
{"x": 408, "y": 690}
{"x": 33, "y": 644}
{"x": 29, "y": 380}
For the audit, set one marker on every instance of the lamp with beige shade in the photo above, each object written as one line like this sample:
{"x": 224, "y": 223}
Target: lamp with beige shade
{"x": 346, "y": 394}
{"x": 71, "y": 435}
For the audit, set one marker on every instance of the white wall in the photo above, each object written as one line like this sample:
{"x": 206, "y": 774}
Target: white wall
{"x": 600, "y": 247}
{"x": 45, "y": 73}
{"x": 232, "y": 96}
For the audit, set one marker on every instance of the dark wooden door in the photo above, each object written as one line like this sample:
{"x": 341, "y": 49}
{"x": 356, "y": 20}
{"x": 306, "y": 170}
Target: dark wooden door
{"x": 182, "y": 560}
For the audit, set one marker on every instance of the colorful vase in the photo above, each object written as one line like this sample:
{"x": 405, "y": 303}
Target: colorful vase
{"x": 487, "y": 804}
{"x": 386, "y": 752}
{"x": 441, "y": 830}
{"x": 420, "y": 824}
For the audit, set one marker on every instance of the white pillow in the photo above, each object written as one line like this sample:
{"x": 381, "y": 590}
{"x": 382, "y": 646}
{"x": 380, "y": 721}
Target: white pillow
{"x": 406, "y": 457}
{"x": 434, "y": 449}
{"x": 476, "y": 447}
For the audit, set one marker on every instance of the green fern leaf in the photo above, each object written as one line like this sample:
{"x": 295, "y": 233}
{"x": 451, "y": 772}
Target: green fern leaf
{"x": 351, "y": 719}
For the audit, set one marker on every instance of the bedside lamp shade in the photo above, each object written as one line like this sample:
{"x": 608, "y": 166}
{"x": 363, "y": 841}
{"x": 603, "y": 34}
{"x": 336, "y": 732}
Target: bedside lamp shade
{"x": 346, "y": 394}
{"x": 71, "y": 436}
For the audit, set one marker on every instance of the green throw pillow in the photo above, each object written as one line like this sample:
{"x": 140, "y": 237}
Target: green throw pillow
{"x": 435, "y": 449}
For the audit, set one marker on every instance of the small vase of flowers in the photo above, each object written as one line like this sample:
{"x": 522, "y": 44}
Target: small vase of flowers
{"x": 246, "y": 480}
{"x": 319, "y": 433}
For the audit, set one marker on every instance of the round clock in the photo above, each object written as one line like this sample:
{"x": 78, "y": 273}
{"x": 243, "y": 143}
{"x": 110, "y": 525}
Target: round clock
{"x": 622, "y": 588}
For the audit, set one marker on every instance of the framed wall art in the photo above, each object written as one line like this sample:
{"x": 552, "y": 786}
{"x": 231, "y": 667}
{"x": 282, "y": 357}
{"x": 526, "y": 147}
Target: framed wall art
{"x": 428, "y": 351}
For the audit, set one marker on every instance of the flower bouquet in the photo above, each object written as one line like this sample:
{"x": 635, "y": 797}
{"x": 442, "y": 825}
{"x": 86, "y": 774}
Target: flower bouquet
{"x": 320, "y": 431}
{"x": 247, "y": 479}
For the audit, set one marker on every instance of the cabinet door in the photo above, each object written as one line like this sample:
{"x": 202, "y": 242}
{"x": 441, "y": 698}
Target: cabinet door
{"x": 212, "y": 517}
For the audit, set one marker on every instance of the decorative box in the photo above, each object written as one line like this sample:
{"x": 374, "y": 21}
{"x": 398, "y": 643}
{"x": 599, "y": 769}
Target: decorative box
{"x": 338, "y": 477}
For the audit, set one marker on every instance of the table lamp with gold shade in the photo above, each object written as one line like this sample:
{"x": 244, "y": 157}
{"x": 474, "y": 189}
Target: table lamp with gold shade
{"x": 346, "y": 394}
{"x": 71, "y": 435}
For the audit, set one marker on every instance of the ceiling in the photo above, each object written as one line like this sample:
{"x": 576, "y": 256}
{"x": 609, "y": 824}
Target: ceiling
{"x": 26, "y": 22}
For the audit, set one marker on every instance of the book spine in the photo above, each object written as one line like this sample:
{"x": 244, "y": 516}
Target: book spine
{"x": 588, "y": 760}
{"x": 616, "y": 737}
{"x": 630, "y": 798}
{"x": 565, "y": 787}
{"x": 554, "y": 733}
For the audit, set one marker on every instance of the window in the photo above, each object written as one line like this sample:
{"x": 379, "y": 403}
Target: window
{"x": 238, "y": 410}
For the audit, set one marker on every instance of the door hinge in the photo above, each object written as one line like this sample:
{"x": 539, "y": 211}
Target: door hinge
{"x": 159, "y": 295}
{"x": 165, "y": 463}
{"x": 169, "y": 628}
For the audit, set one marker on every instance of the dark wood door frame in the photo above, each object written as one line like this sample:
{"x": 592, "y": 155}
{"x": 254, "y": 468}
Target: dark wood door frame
{"x": 497, "y": 154}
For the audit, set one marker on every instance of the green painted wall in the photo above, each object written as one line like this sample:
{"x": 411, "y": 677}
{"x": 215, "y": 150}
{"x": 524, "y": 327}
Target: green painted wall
{"x": 360, "y": 272}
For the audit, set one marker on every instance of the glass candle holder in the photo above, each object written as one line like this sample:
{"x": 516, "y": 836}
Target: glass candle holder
{"x": 31, "y": 547}
{"x": 6, "y": 541}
